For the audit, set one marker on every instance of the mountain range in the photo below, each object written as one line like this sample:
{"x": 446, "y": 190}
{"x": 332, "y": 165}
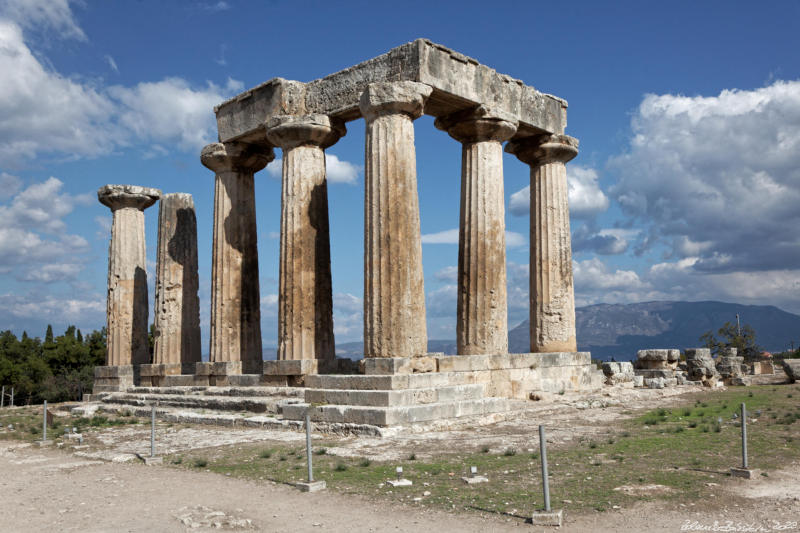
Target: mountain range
{"x": 620, "y": 330}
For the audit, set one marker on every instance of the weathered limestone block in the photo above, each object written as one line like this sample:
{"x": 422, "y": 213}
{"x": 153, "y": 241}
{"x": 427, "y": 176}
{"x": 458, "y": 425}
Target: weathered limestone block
{"x": 394, "y": 292}
{"x": 482, "y": 318}
{"x": 235, "y": 296}
{"x": 127, "y": 307}
{"x": 617, "y": 373}
{"x": 552, "y": 293}
{"x": 305, "y": 301}
{"x": 763, "y": 367}
{"x": 177, "y": 306}
{"x": 458, "y": 81}
{"x": 792, "y": 369}
{"x": 700, "y": 366}
{"x": 731, "y": 366}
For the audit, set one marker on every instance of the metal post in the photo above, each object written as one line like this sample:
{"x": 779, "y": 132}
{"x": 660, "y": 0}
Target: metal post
{"x": 152, "y": 431}
{"x": 545, "y": 482}
{"x": 12, "y": 396}
{"x": 3, "y": 397}
{"x": 44, "y": 423}
{"x": 308, "y": 448}
{"x": 744, "y": 436}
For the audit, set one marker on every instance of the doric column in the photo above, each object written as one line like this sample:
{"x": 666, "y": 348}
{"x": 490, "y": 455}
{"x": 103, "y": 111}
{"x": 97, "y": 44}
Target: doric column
{"x": 235, "y": 298}
{"x": 551, "y": 291}
{"x": 305, "y": 301}
{"x": 394, "y": 292}
{"x": 482, "y": 321}
{"x": 127, "y": 273}
{"x": 177, "y": 307}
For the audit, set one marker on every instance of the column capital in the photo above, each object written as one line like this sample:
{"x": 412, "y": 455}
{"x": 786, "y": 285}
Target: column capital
{"x": 386, "y": 98}
{"x": 289, "y": 131}
{"x": 221, "y": 157}
{"x": 543, "y": 149}
{"x": 119, "y": 196}
{"x": 478, "y": 124}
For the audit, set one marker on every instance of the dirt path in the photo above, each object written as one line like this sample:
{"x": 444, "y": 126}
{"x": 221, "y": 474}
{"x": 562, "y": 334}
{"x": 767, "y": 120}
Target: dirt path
{"x": 52, "y": 490}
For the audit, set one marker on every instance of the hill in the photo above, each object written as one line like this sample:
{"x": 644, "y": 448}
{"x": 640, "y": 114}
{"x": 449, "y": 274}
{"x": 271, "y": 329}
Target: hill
{"x": 619, "y": 330}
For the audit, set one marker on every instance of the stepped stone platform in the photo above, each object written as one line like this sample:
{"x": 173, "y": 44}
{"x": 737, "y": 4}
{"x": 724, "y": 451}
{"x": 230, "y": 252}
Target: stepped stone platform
{"x": 389, "y": 392}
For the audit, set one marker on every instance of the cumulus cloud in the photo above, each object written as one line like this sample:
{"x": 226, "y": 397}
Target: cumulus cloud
{"x": 348, "y": 317}
{"x": 450, "y": 236}
{"x": 111, "y": 63}
{"x": 65, "y": 310}
{"x": 9, "y": 185}
{"x": 717, "y": 178}
{"x": 586, "y": 198}
{"x": 337, "y": 170}
{"x": 31, "y": 215}
{"x": 607, "y": 241}
{"x": 448, "y": 273}
{"x": 45, "y": 112}
{"x": 171, "y": 110}
{"x": 54, "y": 15}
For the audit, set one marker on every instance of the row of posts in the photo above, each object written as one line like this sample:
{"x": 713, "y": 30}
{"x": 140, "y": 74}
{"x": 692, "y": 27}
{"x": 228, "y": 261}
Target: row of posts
{"x": 394, "y": 297}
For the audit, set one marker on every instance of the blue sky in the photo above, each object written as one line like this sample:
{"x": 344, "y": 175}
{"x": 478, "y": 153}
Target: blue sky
{"x": 687, "y": 185}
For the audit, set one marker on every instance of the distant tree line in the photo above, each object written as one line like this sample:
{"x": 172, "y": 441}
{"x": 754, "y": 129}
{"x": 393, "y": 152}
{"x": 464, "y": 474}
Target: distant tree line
{"x": 57, "y": 369}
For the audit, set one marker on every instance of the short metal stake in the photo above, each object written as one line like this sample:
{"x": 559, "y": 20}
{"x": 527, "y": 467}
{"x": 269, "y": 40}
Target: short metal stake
{"x": 308, "y": 448}
{"x": 744, "y": 436}
{"x": 152, "y": 431}
{"x": 12, "y": 396}
{"x": 44, "y": 422}
{"x": 3, "y": 397}
{"x": 545, "y": 482}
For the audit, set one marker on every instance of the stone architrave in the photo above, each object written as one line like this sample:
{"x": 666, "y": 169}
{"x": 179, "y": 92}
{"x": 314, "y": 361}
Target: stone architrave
{"x": 177, "y": 306}
{"x": 394, "y": 292}
{"x": 552, "y": 320}
{"x": 235, "y": 298}
{"x": 482, "y": 318}
{"x": 127, "y": 307}
{"x": 305, "y": 301}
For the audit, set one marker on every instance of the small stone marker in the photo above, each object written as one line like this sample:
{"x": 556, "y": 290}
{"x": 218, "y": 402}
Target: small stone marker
{"x": 473, "y": 477}
{"x": 400, "y": 481}
{"x": 47, "y": 419}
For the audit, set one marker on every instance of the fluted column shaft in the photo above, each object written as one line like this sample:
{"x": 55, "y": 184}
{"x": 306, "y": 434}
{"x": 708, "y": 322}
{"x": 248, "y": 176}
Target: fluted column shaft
{"x": 552, "y": 294}
{"x": 394, "y": 292}
{"x": 482, "y": 318}
{"x": 127, "y": 309}
{"x": 235, "y": 297}
{"x": 177, "y": 306}
{"x": 305, "y": 300}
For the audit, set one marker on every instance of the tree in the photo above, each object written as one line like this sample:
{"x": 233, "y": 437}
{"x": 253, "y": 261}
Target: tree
{"x": 730, "y": 337}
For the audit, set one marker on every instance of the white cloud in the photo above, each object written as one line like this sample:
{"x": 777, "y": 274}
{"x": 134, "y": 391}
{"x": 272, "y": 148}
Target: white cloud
{"x": 103, "y": 227}
{"x": 717, "y": 177}
{"x": 36, "y": 210}
{"x": 348, "y": 317}
{"x": 515, "y": 240}
{"x": 586, "y": 199}
{"x": 41, "y": 110}
{"x": 9, "y": 185}
{"x": 111, "y": 63}
{"x": 216, "y": 6}
{"x": 44, "y": 112}
{"x": 337, "y": 170}
{"x": 449, "y": 236}
{"x": 53, "y": 15}
{"x": 340, "y": 171}
{"x": 52, "y": 308}
{"x": 448, "y": 273}
{"x": 171, "y": 110}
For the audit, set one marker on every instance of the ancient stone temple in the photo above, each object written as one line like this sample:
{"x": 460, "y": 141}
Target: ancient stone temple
{"x": 398, "y": 381}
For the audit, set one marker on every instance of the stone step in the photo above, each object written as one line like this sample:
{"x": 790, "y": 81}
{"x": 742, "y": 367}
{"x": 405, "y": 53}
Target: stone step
{"x": 395, "y": 416}
{"x": 385, "y": 382}
{"x": 253, "y": 404}
{"x": 392, "y": 398}
{"x": 220, "y": 391}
